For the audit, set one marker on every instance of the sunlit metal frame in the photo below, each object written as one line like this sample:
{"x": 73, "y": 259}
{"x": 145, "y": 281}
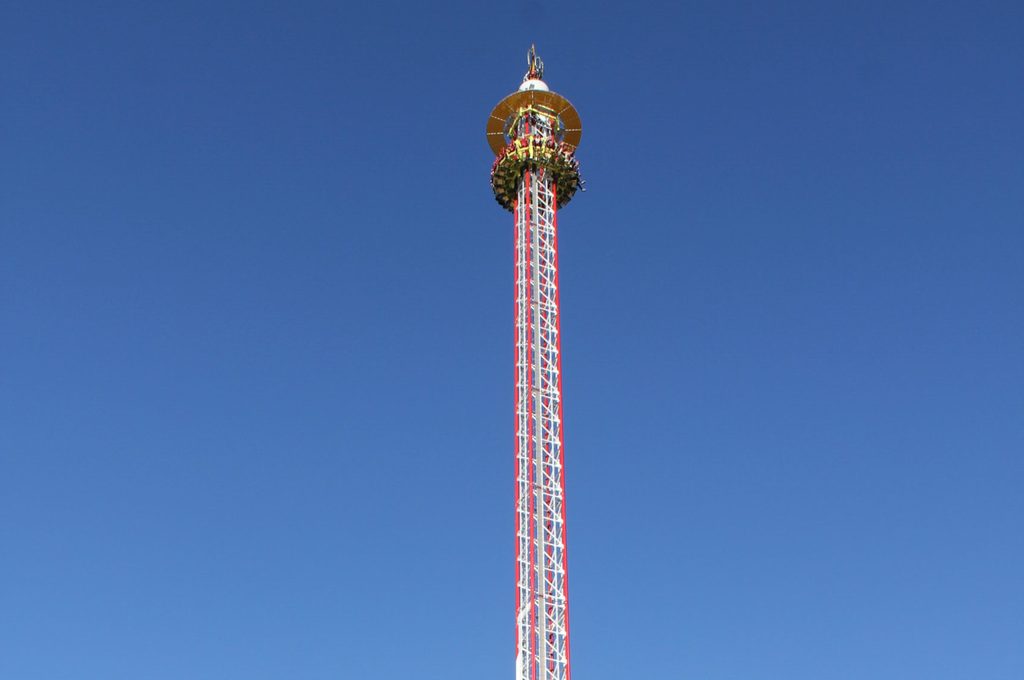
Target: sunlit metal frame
{"x": 542, "y": 614}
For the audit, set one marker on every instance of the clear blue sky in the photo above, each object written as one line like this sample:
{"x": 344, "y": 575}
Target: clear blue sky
{"x": 256, "y": 340}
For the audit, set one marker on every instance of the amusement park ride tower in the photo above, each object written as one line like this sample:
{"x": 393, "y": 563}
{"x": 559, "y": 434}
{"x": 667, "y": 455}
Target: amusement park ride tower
{"x": 534, "y": 134}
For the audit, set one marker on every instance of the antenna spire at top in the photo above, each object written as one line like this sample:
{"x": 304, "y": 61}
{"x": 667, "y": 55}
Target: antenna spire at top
{"x": 536, "y": 70}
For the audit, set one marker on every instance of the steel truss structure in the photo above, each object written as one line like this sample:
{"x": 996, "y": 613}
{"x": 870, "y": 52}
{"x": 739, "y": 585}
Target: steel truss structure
{"x": 535, "y": 135}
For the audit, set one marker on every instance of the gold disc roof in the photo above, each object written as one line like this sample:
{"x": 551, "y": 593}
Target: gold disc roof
{"x": 515, "y": 102}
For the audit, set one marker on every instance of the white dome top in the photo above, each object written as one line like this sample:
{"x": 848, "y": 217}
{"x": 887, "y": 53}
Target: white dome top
{"x": 533, "y": 84}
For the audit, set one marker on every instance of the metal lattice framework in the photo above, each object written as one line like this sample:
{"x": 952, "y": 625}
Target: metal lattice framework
{"x": 542, "y": 613}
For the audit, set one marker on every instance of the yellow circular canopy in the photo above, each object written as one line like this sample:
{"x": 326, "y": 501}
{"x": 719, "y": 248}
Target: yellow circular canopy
{"x": 517, "y": 101}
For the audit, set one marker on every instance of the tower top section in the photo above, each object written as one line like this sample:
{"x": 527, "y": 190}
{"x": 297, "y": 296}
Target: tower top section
{"x": 533, "y": 94}
{"x": 534, "y": 129}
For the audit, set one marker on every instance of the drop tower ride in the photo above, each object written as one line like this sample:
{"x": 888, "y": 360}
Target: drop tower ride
{"x": 534, "y": 133}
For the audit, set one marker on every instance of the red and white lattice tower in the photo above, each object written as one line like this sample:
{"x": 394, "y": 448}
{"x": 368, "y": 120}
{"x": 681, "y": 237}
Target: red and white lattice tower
{"x": 534, "y": 134}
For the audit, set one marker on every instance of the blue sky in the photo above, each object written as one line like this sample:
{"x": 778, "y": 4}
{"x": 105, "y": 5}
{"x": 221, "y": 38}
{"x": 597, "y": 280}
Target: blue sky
{"x": 256, "y": 340}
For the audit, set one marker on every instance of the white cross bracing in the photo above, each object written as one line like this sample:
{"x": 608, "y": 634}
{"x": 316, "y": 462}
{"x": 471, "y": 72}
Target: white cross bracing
{"x": 542, "y": 625}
